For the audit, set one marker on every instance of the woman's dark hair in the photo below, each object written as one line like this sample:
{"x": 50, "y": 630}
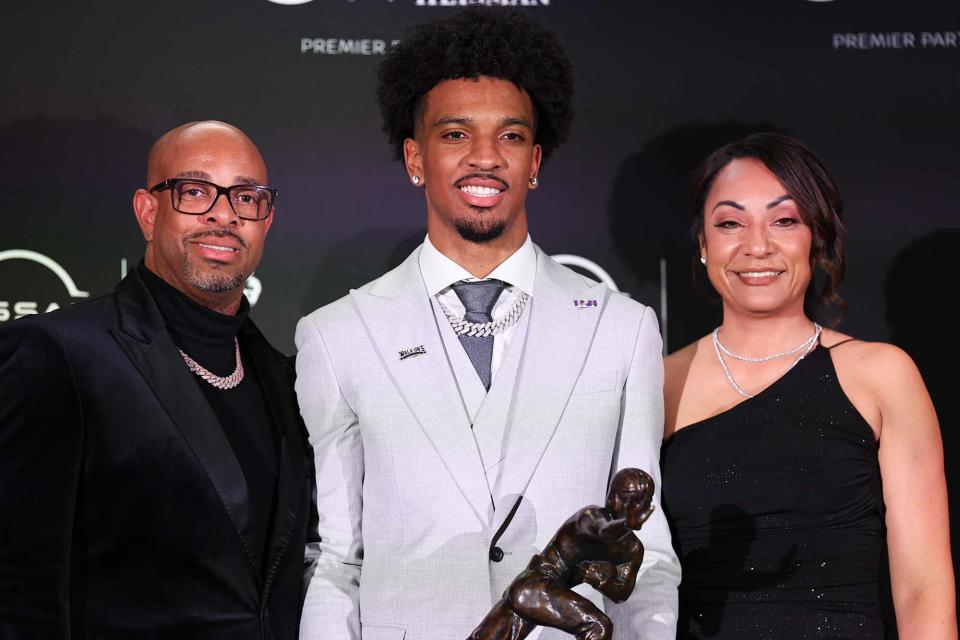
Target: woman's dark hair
{"x": 478, "y": 41}
{"x": 818, "y": 200}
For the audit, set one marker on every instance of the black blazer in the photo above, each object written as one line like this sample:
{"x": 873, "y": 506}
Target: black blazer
{"x": 123, "y": 510}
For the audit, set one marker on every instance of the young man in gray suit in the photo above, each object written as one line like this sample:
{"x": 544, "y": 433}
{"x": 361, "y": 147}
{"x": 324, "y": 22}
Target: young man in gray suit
{"x": 463, "y": 405}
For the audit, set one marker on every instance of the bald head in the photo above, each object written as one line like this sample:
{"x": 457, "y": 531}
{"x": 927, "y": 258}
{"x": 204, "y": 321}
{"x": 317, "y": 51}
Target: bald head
{"x": 206, "y": 255}
{"x": 212, "y": 135}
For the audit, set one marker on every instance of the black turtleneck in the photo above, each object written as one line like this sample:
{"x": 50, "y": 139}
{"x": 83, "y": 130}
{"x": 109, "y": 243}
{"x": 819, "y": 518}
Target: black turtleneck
{"x": 209, "y": 338}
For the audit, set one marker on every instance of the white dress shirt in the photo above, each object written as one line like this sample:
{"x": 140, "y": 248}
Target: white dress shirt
{"x": 518, "y": 271}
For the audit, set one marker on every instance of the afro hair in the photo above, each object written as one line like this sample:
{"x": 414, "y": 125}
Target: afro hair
{"x": 478, "y": 41}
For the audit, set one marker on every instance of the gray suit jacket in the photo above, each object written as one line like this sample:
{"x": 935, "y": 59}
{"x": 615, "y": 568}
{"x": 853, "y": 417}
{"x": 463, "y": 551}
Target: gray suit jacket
{"x": 410, "y": 494}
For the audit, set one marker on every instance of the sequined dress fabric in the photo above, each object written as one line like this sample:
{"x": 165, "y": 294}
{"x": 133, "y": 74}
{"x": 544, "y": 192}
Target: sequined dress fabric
{"x": 776, "y": 512}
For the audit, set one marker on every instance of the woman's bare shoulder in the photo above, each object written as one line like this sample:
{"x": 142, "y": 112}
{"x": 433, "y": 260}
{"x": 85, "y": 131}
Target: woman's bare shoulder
{"x": 863, "y": 352}
{"x": 676, "y": 366}
{"x": 881, "y": 365}
{"x": 678, "y": 362}
{"x": 682, "y": 355}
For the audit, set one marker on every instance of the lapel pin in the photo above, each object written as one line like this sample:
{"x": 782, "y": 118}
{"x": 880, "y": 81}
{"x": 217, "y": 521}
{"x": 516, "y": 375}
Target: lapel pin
{"x": 584, "y": 304}
{"x": 413, "y": 351}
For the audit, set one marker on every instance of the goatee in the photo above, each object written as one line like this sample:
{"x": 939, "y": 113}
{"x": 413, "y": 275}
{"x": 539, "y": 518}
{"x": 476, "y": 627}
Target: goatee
{"x": 479, "y": 231}
{"x": 212, "y": 282}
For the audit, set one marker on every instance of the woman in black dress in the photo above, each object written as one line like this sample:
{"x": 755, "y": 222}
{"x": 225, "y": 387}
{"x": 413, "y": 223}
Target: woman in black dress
{"x": 796, "y": 457}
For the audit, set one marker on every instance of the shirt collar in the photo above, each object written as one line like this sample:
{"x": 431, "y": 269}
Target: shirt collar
{"x": 439, "y": 271}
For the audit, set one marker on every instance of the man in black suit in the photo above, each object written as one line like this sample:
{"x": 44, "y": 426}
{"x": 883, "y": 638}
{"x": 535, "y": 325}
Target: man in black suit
{"x": 155, "y": 478}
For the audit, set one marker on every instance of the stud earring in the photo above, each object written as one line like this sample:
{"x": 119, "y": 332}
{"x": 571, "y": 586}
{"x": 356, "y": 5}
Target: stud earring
{"x": 534, "y": 182}
{"x": 703, "y": 259}
{"x": 148, "y": 236}
{"x": 415, "y": 180}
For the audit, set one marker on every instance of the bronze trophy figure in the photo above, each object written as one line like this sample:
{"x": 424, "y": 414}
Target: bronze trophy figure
{"x": 596, "y": 545}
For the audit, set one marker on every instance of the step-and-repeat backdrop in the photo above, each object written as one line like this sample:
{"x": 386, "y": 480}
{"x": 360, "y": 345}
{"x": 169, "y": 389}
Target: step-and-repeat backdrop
{"x": 872, "y": 87}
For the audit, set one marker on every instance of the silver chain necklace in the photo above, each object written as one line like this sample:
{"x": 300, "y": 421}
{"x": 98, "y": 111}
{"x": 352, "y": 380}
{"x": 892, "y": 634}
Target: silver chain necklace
{"x": 483, "y": 329}
{"x": 220, "y": 382}
{"x": 817, "y": 329}
{"x": 807, "y": 347}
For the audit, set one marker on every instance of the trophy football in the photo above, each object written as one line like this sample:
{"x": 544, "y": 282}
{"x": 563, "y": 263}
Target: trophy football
{"x": 596, "y": 546}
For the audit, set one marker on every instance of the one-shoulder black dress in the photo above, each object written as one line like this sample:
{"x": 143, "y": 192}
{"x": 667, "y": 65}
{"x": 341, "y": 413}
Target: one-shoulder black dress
{"x": 776, "y": 511}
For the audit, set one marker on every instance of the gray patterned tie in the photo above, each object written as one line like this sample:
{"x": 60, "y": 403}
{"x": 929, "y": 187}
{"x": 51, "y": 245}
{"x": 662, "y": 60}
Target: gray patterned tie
{"x": 478, "y": 299}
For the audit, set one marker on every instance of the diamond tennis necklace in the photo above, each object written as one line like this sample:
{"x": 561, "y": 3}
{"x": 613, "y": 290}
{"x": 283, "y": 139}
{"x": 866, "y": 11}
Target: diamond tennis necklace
{"x": 805, "y": 348}
{"x": 817, "y": 329}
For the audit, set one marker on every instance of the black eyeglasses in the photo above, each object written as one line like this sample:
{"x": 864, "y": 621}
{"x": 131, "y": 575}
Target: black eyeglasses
{"x": 248, "y": 201}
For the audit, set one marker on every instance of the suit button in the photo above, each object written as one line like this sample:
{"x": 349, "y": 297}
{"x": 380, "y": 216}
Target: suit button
{"x": 496, "y": 554}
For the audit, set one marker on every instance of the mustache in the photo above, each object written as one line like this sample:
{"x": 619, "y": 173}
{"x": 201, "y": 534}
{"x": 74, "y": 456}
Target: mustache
{"x": 483, "y": 176}
{"x": 216, "y": 233}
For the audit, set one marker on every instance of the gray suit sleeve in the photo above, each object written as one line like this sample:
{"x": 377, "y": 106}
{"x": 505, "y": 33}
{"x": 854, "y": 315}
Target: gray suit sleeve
{"x": 651, "y": 611}
{"x": 331, "y": 607}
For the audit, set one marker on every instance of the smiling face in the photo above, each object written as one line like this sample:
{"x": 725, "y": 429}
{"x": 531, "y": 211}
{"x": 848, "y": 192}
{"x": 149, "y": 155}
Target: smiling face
{"x": 209, "y": 256}
{"x": 475, "y": 155}
{"x": 755, "y": 241}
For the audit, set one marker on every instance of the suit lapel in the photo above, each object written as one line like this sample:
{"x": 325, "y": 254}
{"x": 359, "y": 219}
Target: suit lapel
{"x": 398, "y": 316}
{"x": 142, "y": 334}
{"x": 558, "y": 340}
{"x": 276, "y": 381}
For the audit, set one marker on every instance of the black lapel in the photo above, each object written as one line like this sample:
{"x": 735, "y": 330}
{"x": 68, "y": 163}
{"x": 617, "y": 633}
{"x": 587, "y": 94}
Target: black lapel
{"x": 276, "y": 374}
{"x": 141, "y": 333}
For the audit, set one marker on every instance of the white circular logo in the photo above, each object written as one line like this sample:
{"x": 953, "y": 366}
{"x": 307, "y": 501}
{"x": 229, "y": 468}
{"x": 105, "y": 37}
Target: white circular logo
{"x": 34, "y": 300}
{"x": 290, "y": 1}
{"x": 589, "y": 266}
